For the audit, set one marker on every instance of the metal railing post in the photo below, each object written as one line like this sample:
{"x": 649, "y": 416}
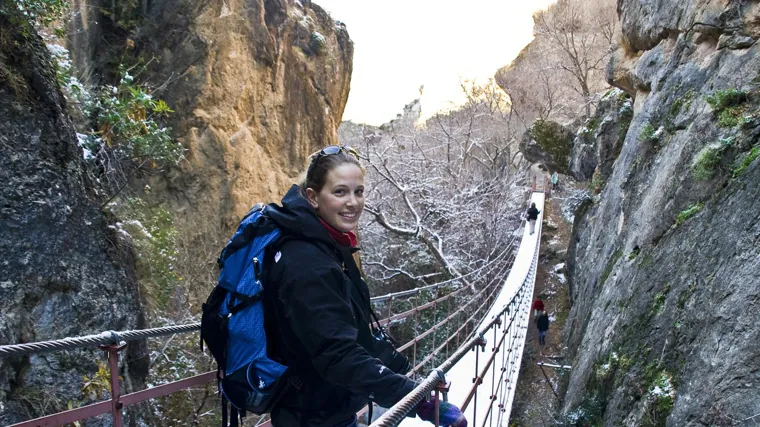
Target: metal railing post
{"x": 436, "y": 417}
{"x": 113, "y": 366}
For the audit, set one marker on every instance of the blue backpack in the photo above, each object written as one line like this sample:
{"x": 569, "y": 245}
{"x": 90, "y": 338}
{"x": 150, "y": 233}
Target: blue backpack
{"x": 232, "y": 322}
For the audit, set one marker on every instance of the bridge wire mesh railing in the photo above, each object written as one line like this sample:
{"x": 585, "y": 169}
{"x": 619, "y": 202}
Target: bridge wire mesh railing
{"x": 423, "y": 348}
{"x": 513, "y": 319}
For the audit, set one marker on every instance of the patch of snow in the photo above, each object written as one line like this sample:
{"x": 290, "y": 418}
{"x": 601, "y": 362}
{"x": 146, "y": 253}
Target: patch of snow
{"x": 137, "y": 226}
{"x": 83, "y": 140}
{"x": 126, "y": 79}
{"x": 612, "y": 93}
{"x": 225, "y": 10}
{"x": 626, "y": 108}
{"x": 561, "y": 278}
{"x": 605, "y": 120}
{"x": 559, "y": 267}
{"x": 117, "y": 227}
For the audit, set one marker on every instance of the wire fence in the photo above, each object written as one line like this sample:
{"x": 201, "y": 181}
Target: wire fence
{"x": 437, "y": 323}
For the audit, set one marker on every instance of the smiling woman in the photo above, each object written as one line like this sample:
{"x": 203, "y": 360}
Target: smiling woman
{"x": 334, "y": 186}
{"x": 341, "y": 200}
{"x": 317, "y": 300}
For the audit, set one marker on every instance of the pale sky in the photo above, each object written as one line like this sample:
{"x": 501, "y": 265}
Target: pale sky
{"x": 400, "y": 45}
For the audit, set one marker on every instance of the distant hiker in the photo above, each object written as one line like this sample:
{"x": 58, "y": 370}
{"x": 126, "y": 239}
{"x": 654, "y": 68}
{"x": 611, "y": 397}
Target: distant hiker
{"x": 555, "y": 180}
{"x": 537, "y": 307}
{"x": 543, "y": 325}
{"x": 318, "y": 308}
{"x": 532, "y": 216}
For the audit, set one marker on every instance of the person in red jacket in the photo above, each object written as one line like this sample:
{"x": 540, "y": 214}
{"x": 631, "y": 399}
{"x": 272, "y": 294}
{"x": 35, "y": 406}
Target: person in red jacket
{"x": 537, "y": 307}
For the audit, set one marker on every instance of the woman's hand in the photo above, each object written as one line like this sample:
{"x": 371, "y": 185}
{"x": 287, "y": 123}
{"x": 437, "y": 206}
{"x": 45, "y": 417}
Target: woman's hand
{"x": 448, "y": 414}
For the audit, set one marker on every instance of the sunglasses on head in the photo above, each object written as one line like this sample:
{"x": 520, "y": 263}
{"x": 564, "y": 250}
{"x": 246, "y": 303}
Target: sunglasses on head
{"x": 335, "y": 149}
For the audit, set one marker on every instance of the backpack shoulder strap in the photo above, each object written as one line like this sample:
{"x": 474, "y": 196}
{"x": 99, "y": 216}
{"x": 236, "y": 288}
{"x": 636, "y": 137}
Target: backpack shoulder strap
{"x": 356, "y": 278}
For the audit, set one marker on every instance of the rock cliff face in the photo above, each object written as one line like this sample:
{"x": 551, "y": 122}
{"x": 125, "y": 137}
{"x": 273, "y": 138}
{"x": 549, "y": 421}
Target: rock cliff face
{"x": 598, "y": 142}
{"x": 663, "y": 264}
{"x": 61, "y": 272}
{"x": 257, "y": 85}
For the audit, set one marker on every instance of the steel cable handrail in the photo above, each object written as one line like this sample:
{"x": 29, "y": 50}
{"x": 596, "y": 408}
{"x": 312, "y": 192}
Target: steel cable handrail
{"x": 380, "y": 298}
{"x": 113, "y": 341}
{"x": 427, "y": 305}
{"x": 398, "y": 412}
{"x": 114, "y": 337}
{"x": 101, "y": 339}
{"x": 477, "y": 310}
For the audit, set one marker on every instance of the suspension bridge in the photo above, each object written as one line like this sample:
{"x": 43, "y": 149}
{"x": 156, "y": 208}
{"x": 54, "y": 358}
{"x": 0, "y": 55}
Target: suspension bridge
{"x": 470, "y": 355}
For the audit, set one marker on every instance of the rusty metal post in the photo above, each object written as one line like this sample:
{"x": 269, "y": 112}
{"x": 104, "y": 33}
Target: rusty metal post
{"x": 414, "y": 328}
{"x": 436, "y": 419}
{"x": 476, "y": 380}
{"x": 435, "y": 322}
{"x": 113, "y": 366}
{"x": 441, "y": 387}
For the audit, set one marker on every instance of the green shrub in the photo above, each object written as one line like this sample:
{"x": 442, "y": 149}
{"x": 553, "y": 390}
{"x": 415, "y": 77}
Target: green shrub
{"x": 552, "y": 138}
{"x": 705, "y": 166}
{"x": 42, "y": 12}
{"x": 126, "y": 14}
{"x": 649, "y": 134}
{"x": 604, "y": 371}
{"x": 155, "y": 240}
{"x": 317, "y": 42}
{"x": 753, "y": 154}
{"x": 588, "y": 413}
{"x": 129, "y": 118}
{"x": 597, "y": 183}
{"x": 729, "y": 105}
{"x": 688, "y": 213}
{"x": 682, "y": 103}
{"x": 590, "y": 126}
{"x": 723, "y": 99}
{"x": 731, "y": 117}
{"x": 661, "y": 396}
{"x": 658, "y": 303}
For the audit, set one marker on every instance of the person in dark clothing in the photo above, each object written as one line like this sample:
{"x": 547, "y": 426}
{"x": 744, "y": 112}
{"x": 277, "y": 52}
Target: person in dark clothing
{"x": 543, "y": 325}
{"x": 319, "y": 305}
{"x": 532, "y": 217}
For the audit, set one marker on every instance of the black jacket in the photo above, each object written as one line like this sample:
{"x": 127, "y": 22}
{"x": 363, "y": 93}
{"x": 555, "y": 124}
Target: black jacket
{"x": 533, "y": 213}
{"x": 542, "y": 322}
{"x": 320, "y": 318}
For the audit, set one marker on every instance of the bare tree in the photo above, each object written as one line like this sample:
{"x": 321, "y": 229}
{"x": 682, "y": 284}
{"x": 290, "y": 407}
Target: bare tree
{"x": 448, "y": 190}
{"x": 534, "y": 88}
{"x": 583, "y": 34}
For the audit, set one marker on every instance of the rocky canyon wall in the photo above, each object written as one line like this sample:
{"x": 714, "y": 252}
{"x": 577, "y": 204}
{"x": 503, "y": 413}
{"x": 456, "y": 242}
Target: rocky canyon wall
{"x": 663, "y": 263}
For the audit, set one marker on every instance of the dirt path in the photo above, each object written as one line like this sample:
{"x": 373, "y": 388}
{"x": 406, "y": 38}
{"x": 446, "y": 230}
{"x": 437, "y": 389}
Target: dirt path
{"x": 535, "y": 404}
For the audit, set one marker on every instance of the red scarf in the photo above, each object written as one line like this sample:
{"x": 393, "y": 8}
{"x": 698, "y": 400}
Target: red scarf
{"x": 341, "y": 238}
